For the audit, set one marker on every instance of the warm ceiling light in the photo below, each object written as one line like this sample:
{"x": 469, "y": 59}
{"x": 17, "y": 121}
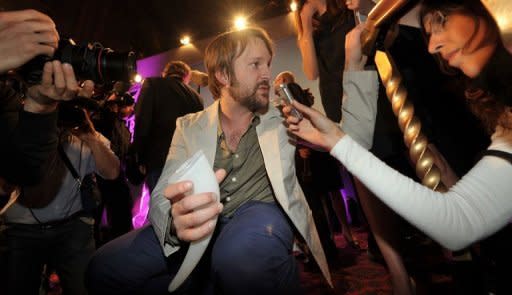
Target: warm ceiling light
{"x": 185, "y": 40}
{"x": 240, "y": 23}
{"x": 137, "y": 78}
{"x": 293, "y": 6}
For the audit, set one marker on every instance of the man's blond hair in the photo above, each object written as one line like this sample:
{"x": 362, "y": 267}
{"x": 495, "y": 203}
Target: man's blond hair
{"x": 225, "y": 48}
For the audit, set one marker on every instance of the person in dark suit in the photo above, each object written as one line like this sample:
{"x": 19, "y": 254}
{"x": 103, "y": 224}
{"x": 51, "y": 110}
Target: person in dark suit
{"x": 161, "y": 102}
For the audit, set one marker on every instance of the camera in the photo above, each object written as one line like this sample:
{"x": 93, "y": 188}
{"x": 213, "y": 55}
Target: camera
{"x": 90, "y": 62}
{"x": 71, "y": 113}
{"x": 120, "y": 99}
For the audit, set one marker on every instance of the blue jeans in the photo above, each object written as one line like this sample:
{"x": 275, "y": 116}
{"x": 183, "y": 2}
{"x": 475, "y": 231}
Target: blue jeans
{"x": 251, "y": 253}
{"x": 65, "y": 247}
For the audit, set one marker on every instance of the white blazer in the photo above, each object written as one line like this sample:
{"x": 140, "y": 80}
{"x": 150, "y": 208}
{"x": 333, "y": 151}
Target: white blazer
{"x": 199, "y": 131}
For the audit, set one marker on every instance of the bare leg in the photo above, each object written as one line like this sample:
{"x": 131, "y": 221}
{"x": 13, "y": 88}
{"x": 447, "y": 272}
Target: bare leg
{"x": 382, "y": 222}
{"x": 338, "y": 204}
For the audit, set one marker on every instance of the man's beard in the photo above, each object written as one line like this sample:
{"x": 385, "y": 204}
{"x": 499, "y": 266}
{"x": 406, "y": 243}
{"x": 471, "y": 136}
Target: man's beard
{"x": 250, "y": 101}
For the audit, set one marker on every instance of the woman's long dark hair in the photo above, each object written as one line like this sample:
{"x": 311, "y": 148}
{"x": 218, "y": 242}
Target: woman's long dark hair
{"x": 483, "y": 94}
{"x": 471, "y": 8}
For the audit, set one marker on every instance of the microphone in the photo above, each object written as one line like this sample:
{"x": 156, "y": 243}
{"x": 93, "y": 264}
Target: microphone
{"x": 287, "y": 98}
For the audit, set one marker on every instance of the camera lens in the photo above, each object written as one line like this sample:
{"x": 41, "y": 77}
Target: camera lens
{"x": 98, "y": 64}
{"x": 114, "y": 66}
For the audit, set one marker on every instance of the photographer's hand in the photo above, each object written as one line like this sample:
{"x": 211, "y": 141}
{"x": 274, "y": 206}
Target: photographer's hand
{"x": 87, "y": 89}
{"x": 58, "y": 82}
{"x": 25, "y": 34}
{"x": 86, "y": 132}
{"x": 107, "y": 163}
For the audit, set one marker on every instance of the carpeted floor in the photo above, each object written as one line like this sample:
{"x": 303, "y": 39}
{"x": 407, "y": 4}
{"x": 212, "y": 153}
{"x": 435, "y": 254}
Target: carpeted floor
{"x": 355, "y": 273}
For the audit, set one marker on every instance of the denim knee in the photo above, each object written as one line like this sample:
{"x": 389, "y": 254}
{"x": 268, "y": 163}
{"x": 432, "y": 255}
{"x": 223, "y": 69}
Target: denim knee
{"x": 252, "y": 254}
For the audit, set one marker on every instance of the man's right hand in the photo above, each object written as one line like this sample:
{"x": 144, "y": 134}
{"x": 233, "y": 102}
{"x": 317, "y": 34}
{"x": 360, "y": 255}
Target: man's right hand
{"x": 193, "y": 216}
{"x": 24, "y": 35}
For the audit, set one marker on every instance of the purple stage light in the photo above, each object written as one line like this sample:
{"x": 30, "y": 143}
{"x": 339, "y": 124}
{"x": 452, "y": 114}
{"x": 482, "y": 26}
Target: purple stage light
{"x": 148, "y": 67}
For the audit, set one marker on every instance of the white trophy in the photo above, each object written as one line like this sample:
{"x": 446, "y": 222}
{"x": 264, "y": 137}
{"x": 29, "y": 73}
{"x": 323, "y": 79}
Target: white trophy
{"x": 197, "y": 170}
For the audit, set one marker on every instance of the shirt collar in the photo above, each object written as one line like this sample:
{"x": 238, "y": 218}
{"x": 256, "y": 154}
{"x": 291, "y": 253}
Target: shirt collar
{"x": 220, "y": 133}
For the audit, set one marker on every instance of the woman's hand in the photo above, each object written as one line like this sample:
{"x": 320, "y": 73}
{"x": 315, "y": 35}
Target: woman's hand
{"x": 314, "y": 127}
{"x": 352, "y": 4}
{"x": 354, "y": 58}
{"x": 309, "y": 9}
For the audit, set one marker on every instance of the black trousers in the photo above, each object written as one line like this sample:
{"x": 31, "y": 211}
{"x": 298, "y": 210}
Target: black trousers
{"x": 67, "y": 247}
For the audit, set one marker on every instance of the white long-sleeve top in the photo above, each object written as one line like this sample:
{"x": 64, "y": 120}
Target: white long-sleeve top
{"x": 474, "y": 208}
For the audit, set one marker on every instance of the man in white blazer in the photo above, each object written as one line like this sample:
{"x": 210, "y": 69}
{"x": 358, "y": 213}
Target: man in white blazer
{"x": 261, "y": 203}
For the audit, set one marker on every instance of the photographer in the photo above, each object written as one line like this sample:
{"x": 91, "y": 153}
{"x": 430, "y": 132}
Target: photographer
{"x": 28, "y": 131}
{"x": 28, "y": 40}
{"x": 111, "y": 121}
{"x": 47, "y": 223}
{"x": 116, "y": 196}
{"x": 55, "y": 229}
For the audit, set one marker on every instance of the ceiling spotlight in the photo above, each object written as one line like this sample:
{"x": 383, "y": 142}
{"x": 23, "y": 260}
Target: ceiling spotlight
{"x": 185, "y": 40}
{"x": 293, "y": 6}
{"x": 137, "y": 78}
{"x": 240, "y": 23}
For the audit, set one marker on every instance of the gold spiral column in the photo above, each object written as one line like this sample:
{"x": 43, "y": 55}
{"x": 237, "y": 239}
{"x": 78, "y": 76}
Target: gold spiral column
{"x": 380, "y": 23}
{"x": 414, "y": 139}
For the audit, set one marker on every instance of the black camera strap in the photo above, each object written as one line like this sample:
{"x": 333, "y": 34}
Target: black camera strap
{"x": 71, "y": 169}
{"x": 68, "y": 164}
